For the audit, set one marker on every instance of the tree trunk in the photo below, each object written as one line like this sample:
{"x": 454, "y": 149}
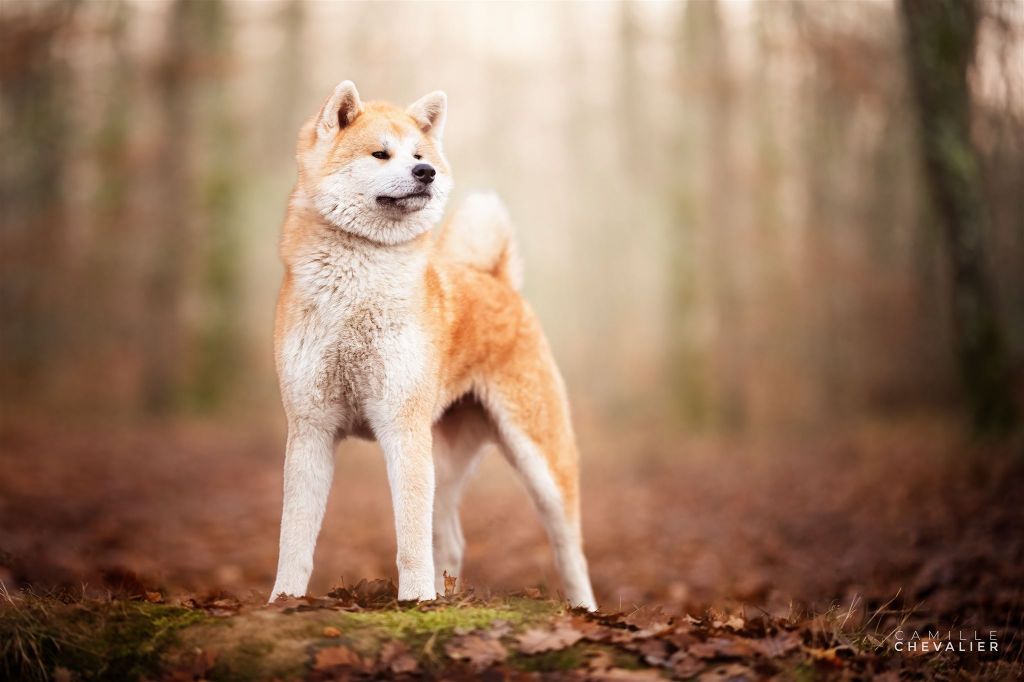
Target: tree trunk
{"x": 940, "y": 39}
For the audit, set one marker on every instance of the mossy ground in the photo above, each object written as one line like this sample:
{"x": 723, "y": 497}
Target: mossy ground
{"x": 115, "y": 640}
{"x": 125, "y": 640}
{"x": 268, "y": 643}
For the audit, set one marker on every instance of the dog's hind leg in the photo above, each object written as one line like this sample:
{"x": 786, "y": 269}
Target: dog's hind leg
{"x": 526, "y": 399}
{"x": 459, "y": 438}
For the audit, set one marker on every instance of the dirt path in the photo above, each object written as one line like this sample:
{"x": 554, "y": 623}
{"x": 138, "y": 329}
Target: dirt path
{"x": 846, "y": 524}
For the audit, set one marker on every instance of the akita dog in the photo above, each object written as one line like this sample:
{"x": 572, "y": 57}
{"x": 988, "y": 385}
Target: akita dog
{"x": 421, "y": 341}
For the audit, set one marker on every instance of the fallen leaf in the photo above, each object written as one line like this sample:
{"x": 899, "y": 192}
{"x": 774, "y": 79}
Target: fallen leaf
{"x": 684, "y": 665}
{"x": 396, "y": 657}
{"x": 154, "y": 598}
{"x": 592, "y": 630}
{"x": 833, "y": 655}
{"x": 366, "y": 593}
{"x": 735, "y": 623}
{"x": 331, "y": 631}
{"x": 721, "y": 647}
{"x": 600, "y": 660}
{"x": 624, "y": 674}
{"x": 499, "y": 629}
{"x": 337, "y": 657}
{"x": 734, "y": 672}
{"x": 536, "y": 640}
{"x": 532, "y": 592}
{"x": 654, "y": 651}
{"x": 649, "y": 619}
{"x": 479, "y": 650}
{"x": 778, "y": 645}
{"x": 449, "y": 584}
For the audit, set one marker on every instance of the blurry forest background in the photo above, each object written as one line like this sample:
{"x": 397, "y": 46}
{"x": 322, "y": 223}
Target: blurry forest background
{"x": 729, "y": 219}
{"x": 722, "y": 205}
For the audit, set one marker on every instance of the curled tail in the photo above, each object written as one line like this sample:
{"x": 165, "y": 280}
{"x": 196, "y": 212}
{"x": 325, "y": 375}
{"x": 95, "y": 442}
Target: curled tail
{"x": 480, "y": 234}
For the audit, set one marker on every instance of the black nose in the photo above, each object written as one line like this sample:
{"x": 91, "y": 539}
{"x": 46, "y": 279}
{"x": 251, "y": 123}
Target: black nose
{"x": 424, "y": 172}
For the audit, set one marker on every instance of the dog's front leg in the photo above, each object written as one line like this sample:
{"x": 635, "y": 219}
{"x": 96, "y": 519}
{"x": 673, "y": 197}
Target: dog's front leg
{"x": 308, "y": 470}
{"x": 407, "y": 451}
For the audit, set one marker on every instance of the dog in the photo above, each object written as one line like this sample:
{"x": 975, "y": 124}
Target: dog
{"x": 388, "y": 331}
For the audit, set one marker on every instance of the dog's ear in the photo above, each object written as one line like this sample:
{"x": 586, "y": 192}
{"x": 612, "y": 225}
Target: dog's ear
{"x": 340, "y": 109}
{"x": 429, "y": 113}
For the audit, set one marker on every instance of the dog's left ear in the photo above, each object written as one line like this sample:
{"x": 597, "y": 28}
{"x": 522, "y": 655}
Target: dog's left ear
{"x": 429, "y": 112}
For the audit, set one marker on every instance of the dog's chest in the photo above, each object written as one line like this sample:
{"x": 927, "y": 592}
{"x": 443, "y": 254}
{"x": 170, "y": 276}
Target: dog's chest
{"x": 357, "y": 342}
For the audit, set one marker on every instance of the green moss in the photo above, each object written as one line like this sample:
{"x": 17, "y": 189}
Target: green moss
{"x": 425, "y": 631}
{"x": 413, "y": 621}
{"x": 97, "y": 640}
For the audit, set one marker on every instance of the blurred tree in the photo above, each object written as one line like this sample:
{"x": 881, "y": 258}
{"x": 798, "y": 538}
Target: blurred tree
{"x": 289, "y": 79}
{"x": 109, "y": 327}
{"x": 711, "y": 73}
{"x": 191, "y": 346}
{"x": 687, "y": 355}
{"x": 172, "y": 233}
{"x": 217, "y": 343}
{"x": 35, "y": 115}
{"x": 940, "y": 40}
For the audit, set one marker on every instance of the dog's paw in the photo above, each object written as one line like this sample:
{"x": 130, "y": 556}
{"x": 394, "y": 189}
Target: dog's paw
{"x": 417, "y": 591}
{"x": 283, "y": 590}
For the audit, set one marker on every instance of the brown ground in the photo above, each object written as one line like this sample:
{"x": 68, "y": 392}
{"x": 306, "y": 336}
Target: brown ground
{"x": 911, "y": 513}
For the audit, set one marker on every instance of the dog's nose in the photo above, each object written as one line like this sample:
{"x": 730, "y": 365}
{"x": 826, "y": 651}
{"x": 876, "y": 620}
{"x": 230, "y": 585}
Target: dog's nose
{"x": 424, "y": 172}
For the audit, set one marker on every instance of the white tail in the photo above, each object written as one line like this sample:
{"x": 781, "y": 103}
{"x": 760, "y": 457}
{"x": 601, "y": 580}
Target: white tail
{"x": 480, "y": 234}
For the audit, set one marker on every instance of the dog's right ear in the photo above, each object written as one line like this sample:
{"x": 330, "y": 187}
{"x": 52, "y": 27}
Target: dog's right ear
{"x": 340, "y": 109}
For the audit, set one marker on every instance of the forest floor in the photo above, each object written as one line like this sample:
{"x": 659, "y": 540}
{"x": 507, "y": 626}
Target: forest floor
{"x": 147, "y": 552}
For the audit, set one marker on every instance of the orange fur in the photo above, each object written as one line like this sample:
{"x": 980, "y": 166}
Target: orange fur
{"x": 382, "y": 327}
{"x": 482, "y": 330}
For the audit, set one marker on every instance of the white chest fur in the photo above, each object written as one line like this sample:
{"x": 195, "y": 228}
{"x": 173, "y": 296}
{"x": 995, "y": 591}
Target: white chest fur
{"x": 356, "y": 344}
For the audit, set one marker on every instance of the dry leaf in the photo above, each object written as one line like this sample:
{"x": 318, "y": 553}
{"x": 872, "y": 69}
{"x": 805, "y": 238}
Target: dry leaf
{"x": 735, "y": 623}
{"x": 832, "y": 655}
{"x": 154, "y": 598}
{"x": 396, "y": 657}
{"x": 779, "y": 645}
{"x": 684, "y": 665}
{"x": 536, "y": 640}
{"x": 624, "y": 674}
{"x": 600, "y": 660}
{"x": 331, "y": 631}
{"x": 655, "y": 651}
{"x": 336, "y": 657}
{"x": 449, "y": 584}
{"x": 478, "y": 649}
{"x": 734, "y": 672}
{"x": 591, "y": 630}
{"x": 722, "y": 647}
{"x": 499, "y": 629}
{"x": 649, "y": 619}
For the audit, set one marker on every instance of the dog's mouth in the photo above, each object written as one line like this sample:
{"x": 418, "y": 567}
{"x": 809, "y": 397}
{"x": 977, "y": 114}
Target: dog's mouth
{"x": 407, "y": 202}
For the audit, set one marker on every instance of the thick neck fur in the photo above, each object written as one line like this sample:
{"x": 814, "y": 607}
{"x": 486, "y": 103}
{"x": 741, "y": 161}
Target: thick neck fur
{"x": 337, "y": 269}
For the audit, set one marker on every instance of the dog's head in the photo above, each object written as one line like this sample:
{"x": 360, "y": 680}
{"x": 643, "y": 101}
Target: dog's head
{"x": 374, "y": 169}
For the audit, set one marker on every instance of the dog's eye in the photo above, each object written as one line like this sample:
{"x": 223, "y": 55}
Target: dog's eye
{"x": 417, "y": 156}
{"x": 381, "y": 155}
